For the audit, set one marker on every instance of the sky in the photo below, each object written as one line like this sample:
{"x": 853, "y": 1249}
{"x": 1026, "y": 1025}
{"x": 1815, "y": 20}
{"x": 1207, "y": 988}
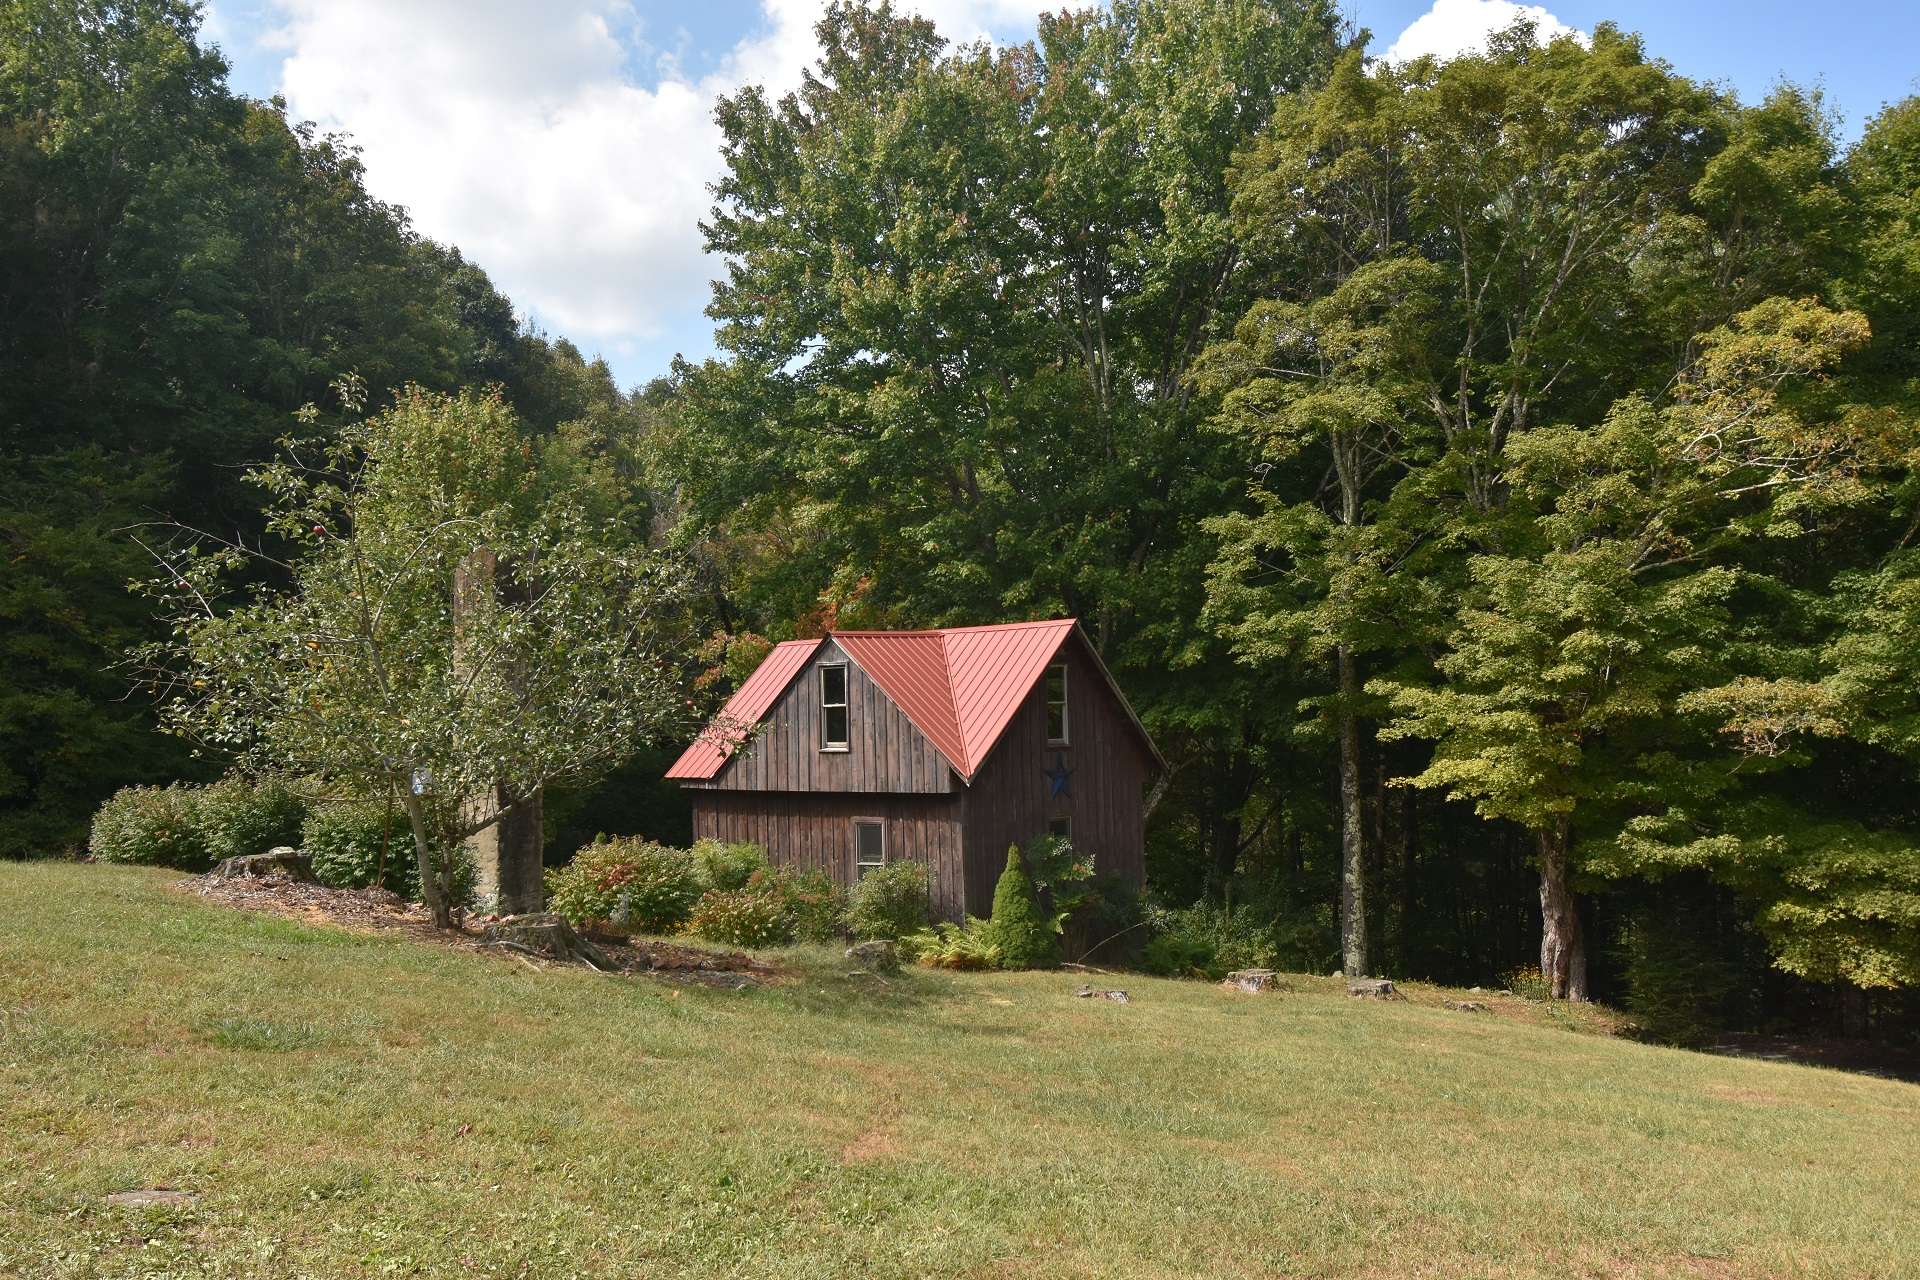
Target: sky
{"x": 566, "y": 145}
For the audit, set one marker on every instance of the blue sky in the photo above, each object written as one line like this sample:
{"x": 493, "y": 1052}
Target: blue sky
{"x": 565, "y": 144}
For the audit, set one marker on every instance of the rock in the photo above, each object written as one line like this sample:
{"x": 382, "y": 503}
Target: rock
{"x": 546, "y": 934}
{"x": 280, "y": 861}
{"x": 1252, "y": 981}
{"x": 147, "y": 1197}
{"x": 879, "y": 955}
{"x": 1374, "y": 988}
{"x": 1465, "y": 1006}
{"x": 1094, "y": 993}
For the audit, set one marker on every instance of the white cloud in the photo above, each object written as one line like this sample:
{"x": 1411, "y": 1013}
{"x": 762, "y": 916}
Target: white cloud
{"x": 517, "y": 130}
{"x": 1454, "y": 27}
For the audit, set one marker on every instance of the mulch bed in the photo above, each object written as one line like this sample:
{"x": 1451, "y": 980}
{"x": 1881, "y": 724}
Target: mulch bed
{"x": 382, "y": 911}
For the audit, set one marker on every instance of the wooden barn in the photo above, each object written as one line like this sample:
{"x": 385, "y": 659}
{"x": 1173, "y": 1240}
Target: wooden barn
{"x": 866, "y": 747}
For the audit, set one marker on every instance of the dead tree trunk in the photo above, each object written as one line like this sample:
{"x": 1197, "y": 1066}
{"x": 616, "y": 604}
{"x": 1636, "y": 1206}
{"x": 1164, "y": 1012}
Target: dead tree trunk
{"x": 1353, "y": 827}
{"x": 1563, "y": 951}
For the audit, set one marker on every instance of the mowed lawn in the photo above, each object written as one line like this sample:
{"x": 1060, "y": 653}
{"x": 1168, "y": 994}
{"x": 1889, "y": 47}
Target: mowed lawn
{"x": 351, "y": 1105}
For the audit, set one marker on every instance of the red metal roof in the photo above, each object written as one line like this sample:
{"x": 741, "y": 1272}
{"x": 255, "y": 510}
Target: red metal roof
{"x": 959, "y": 685}
{"x": 743, "y": 710}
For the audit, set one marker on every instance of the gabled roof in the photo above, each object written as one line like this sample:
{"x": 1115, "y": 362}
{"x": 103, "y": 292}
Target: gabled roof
{"x": 960, "y": 686}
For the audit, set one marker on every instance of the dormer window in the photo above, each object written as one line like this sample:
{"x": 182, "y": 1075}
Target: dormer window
{"x": 1057, "y": 704}
{"x": 833, "y": 708}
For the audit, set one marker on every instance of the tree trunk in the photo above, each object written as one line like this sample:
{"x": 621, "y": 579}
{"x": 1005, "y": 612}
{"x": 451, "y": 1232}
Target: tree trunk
{"x": 431, "y": 891}
{"x": 1563, "y": 952}
{"x": 1353, "y": 828}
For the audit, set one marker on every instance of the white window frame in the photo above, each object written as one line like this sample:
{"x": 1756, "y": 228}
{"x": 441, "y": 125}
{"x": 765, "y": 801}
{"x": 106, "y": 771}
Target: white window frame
{"x": 846, "y": 712}
{"x": 861, "y": 868}
{"x": 1047, "y": 690}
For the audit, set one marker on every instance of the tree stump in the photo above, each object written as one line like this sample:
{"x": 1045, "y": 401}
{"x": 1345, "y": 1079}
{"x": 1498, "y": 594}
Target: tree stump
{"x": 545, "y": 934}
{"x": 1465, "y": 1006}
{"x": 1373, "y": 988}
{"x": 879, "y": 955}
{"x": 280, "y": 861}
{"x": 1094, "y": 993}
{"x": 1252, "y": 981}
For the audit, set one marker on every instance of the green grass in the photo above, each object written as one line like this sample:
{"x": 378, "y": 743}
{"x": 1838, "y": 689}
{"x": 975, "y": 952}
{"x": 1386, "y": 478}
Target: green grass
{"x": 346, "y": 1105}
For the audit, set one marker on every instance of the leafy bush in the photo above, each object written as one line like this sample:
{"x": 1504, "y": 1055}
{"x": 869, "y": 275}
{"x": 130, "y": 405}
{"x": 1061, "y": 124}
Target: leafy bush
{"x": 1179, "y": 955}
{"x": 1210, "y": 939}
{"x": 356, "y": 844}
{"x": 1023, "y": 936}
{"x": 150, "y": 827}
{"x": 728, "y": 867}
{"x": 889, "y": 902}
{"x": 1110, "y": 922}
{"x": 755, "y": 915}
{"x": 237, "y": 817}
{"x": 954, "y": 946}
{"x": 629, "y": 882}
{"x": 814, "y": 906}
{"x": 1529, "y": 983}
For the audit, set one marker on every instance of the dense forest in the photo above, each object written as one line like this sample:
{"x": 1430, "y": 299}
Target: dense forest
{"x": 1492, "y": 480}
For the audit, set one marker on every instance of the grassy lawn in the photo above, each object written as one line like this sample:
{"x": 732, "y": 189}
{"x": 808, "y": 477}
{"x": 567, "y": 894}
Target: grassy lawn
{"x": 349, "y": 1105}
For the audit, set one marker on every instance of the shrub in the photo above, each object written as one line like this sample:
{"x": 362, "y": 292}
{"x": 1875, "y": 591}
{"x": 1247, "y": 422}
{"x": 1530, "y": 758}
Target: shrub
{"x": 347, "y": 839}
{"x": 1209, "y": 939}
{"x": 1529, "y": 983}
{"x": 1024, "y": 937}
{"x": 634, "y": 883}
{"x": 237, "y": 817}
{"x": 1110, "y": 922}
{"x": 755, "y": 915}
{"x": 954, "y": 946}
{"x": 814, "y": 906}
{"x": 1178, "y": 955}
{"x": 889, "y": 902}
{"x": 728, "y": 867}
{"x": 150, "y": 827}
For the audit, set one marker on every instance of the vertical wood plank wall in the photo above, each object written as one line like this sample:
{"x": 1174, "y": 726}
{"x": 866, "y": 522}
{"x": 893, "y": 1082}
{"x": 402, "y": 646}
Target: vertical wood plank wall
{"x": 815, "y": 832}
{"x": 1011, "y": 799}
{"x": 884, "y": 750}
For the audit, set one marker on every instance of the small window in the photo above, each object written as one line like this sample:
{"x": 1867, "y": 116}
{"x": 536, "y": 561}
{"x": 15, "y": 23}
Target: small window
{"x": 869, "y": 846}
{"x": 1057, "y": 702}
{"x": 833, "y": 708}
{"x": 1061, "y": 825}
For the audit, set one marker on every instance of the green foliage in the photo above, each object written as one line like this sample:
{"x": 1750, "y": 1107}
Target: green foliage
{"x": 1209, "y": 939}
{"x": 728, "y": 867}
{"x": 954, "y": 946}
{"x": 815, "y": 906}
{"x": 754, "y": 915}
{"x": 889, "y": 902}
{"x": 1684, "y": 985}
{"x": 356, "y": 844}
{"x": 627, "y": 883}
{"x": 237, "y": 816}
{"x": 1180, "y": 954}
{"x": 151, "y": 827}
{"x": 1024, "y": 937}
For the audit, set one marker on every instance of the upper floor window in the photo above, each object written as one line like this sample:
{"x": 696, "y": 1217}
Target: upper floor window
{"x": 1057, "y": 702}
{"x": 833, "y": 708}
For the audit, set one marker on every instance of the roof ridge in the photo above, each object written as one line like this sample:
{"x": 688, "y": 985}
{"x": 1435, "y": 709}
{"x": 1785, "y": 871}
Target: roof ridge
{"x": 953, "y": 703}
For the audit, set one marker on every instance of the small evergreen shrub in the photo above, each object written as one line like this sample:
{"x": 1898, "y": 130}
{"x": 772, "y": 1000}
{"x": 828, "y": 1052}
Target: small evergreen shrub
{"x": 237, "y": 817}
{"x": 889, "y": 902}
{"x": 755, "y": 915}
{"x": 814, "y": 906}
{"x": 954, "y": 946}
{"x": 1023, "y": 936}
{"x": 628, "y": 882}
{"x": 728, "y": 867}
{"x": 150, "y": 827}
{"x": 346, "y": 840}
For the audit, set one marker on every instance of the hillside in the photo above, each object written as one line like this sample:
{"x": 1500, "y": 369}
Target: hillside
{"x": 344, "y": 1104}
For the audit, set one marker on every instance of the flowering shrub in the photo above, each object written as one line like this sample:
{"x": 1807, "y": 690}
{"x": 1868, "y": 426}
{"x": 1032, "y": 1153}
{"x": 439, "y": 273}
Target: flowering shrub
{"x": 753, "y": 916}
{"x": 149, "y": 827}
{"x": 628, "y": 882}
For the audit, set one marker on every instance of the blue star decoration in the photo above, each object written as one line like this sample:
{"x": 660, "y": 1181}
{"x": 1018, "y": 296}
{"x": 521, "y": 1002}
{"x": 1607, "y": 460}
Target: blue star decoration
{"x": 1058, "y": 776}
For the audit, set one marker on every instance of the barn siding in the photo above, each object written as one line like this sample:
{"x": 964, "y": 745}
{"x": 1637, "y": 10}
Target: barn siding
{"x": 1010, "y": 800}
{"x": 809, "y": 832}
{"x": 886, "y": 753}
